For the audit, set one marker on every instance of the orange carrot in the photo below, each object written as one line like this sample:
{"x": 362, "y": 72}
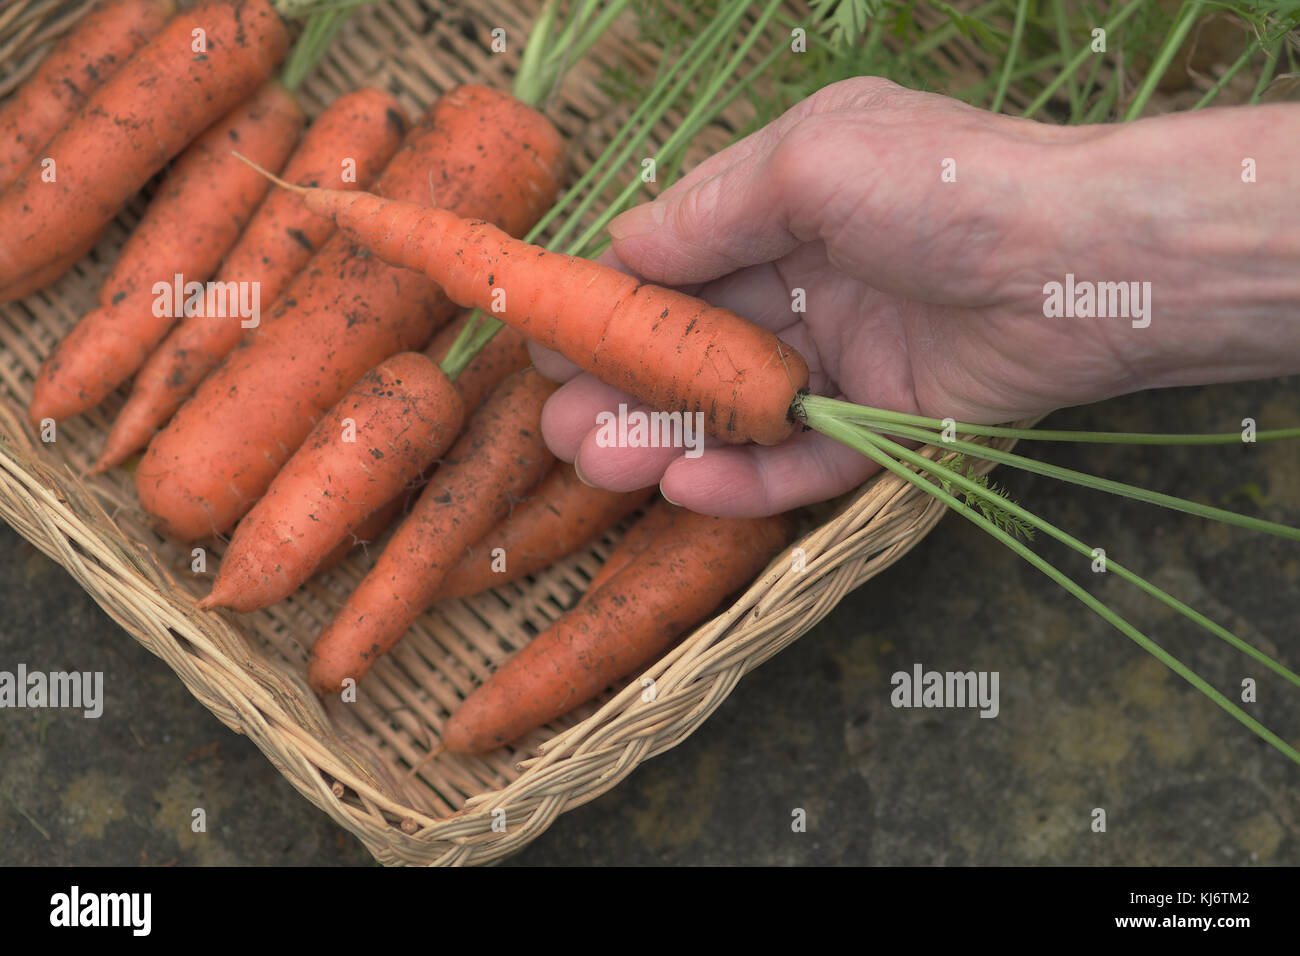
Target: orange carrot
{"x": 669, "y": 349}
{"x": 675, "y": 583}
{"x": 638, "y": 537}
{"x": 497, "y": 461}
{"x": 88, "y": 54}
{"x": 366, "y": 533}
{"x": 389, "y": 427}
{"x": 142, "y": 116}
{"x": 506, "y": 352}
{"x": 484, "y": 152}
{"x": 365, "y": 127}
{"x": 559, "y": 516}
{"x": 196, "y": 216}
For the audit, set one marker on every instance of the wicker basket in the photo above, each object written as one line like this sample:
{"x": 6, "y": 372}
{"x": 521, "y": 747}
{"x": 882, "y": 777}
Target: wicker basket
{"x": 355, "y": 761}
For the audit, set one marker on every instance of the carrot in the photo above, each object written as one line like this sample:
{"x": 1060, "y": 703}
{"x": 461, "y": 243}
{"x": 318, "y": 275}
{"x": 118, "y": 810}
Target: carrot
{"x": 389, "y": 427}
{"x": 369, "y": 531}
{"x": 560, "y": 516}
{"x": 633, "y": 543}
{"x": 497, "y": 461}
{"x": 142, "y": 116}
{"x": 676, "y": 582}
{"x": 505, "y": 353}
{"x": 669, "y": 349}
{"x": 196, "y": 216}
{"x": 365, "y": 126}
{"x": 82, "y": 59}
{"x": 483, "y": 151}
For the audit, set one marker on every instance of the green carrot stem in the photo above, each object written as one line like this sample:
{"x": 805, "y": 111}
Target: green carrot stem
{"x": 527, "y": 84}
{"x": 811, "y": 407}
{"x": 1083, "y": 53}
{"x": 1168, "y": 50}
{"x": 1017, "y": 33}
{"x": 1224, "y": 80}
{"x": 905, "y": 454}
{"x": 1085, "y": 92}
{"x": 937, "y": 38}
{"x": 874, "y": 447}
{"x": 704, "y": 106}
{"x": 977, "y": 90}
{"x": 1091, "y": 481}
{"x": 315, "y": 39}
{"x": 1063, "y": 41}
{"x": 1266, "y": 74}
{"x": 1106, "y": 102}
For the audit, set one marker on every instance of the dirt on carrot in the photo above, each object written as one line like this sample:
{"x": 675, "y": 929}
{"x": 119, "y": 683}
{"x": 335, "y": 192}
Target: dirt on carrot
{"x": 150, "y": 109}
{"x": 683, "y": 574}
{"x": 356, "y": 135}
{"x": 385, "y": 431}
{"x": 485, "y": 154}
{"x": 197, "y": 215}
{"x": 560, "y": 515}
{"x": 87, "y": 55}
{"x": 497, "y": 461}
{"x": 671, "y": 350}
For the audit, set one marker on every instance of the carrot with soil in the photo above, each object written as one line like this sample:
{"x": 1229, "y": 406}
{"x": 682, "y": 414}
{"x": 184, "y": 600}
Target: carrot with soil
{"x": 87, "y": 55}
{"x": 486, "y": 154}
{"x": 561, "y": 515}
{"x": 365, "y": 127}
{"x": 502, "y": 356}
{"x": 478, "y": 150}
{"x": 197, "y": 214}
{"x": 638, "y": 537}
{"x": 390, "y": 426}
{"x": 670, "y": 350}
{"x": 681, "y": 576}
{"x": 495, "y": 463}
{"x": 143, "y": 115}
{"x": 475, "y": 369}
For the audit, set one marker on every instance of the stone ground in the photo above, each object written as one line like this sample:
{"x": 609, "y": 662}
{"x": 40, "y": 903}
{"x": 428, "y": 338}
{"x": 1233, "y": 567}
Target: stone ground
{"x": 1088, "y": 720}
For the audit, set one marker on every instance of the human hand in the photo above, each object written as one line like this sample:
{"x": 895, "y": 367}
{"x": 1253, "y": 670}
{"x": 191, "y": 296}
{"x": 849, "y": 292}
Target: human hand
{"x": 927, "y": 296}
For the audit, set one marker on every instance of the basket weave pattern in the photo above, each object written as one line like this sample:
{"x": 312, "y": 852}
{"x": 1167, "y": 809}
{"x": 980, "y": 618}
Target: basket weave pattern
{"x": 355, "y": 760}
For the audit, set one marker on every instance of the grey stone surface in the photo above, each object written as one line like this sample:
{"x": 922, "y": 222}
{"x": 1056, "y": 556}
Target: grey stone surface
{"x": 1088, "y": 720}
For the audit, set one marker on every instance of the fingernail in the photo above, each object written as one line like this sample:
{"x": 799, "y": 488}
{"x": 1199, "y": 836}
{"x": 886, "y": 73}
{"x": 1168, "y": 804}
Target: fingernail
{"x": 638, "y": 221}
{"x": 578, "y": 471}
{"x": 676, "y": 504}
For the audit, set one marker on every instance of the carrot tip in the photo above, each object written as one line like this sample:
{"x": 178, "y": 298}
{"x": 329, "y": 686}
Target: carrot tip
{"x": 268, "y": 174}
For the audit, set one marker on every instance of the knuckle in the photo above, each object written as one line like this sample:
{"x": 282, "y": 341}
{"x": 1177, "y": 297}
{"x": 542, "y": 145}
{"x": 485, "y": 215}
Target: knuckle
{"x": 861, "y": 92}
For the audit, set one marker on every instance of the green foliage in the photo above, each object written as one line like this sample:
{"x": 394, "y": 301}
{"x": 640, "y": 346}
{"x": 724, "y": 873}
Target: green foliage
{"x": 845, "y": 21}
{"x": 988, "y": 504}
{"x": 671, "y": 26}
{"x": 898, "y": 40}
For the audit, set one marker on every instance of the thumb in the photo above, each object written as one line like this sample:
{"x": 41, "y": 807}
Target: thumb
{"x": 708, "y": 228}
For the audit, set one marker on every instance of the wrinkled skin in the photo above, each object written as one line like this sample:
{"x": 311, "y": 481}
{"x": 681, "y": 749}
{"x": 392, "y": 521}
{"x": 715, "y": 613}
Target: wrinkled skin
{"x": 927, "y": 296}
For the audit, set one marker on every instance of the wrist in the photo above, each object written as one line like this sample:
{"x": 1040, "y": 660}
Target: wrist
{"x": 1199, "y": 209}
